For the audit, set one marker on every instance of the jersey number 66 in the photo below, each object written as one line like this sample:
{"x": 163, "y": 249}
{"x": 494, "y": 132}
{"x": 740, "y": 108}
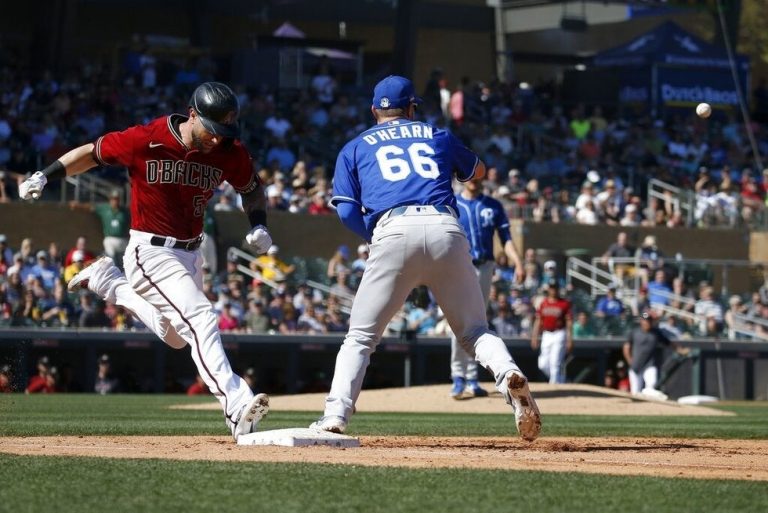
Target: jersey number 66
{"x": 394, "y": 168}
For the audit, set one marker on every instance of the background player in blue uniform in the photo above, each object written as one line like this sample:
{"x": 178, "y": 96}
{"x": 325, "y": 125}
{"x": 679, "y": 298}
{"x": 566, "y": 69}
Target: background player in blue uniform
{"x": 392, "y": 186}
{"x": 481, "y": 216}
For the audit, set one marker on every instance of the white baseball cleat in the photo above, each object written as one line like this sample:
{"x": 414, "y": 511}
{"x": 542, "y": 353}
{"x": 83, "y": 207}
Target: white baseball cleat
{"x": 99, "y": 271}
{"x": 251, "y": 414}
{"x": 527, "y": 416}
{"x": 330, "y": 423}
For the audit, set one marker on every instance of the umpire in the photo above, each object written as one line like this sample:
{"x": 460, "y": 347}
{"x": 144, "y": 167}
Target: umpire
{"x": 643, "y": 352}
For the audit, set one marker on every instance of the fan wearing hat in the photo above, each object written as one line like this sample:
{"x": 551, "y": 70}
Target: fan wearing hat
{"x": 554, "y": 322}
{"x": 271, "y": 267}
{"x": 41, "y": 382}
{"x": 46, "y": 271}
{"x": 175, "y": 163}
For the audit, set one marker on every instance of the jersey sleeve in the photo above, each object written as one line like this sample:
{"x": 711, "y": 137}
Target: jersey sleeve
{"x": 465, "y": 161}
{"x": 117, "y": 148}
{"x": 346, "y": 186}
{"x": 242, "y": 176}
{"x": 502, "y": 223}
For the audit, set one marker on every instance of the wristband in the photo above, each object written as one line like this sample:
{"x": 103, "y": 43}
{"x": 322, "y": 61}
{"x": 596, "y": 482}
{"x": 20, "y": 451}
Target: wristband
{"x": 257, "y": 216}
{"x": 55, "y": 170}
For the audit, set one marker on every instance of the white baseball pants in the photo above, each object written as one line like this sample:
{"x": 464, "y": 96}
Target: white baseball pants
{"x": 462, "y": 364}
{"x": 421, "y": 247}
{"x": 647, "y": 378}
{"x": 552, "y": 355}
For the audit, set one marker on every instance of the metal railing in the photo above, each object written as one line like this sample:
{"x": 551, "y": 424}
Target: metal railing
{"x": 345, "y": 299}
{"x": 683, "y": 200}
{"x": 89, "y": 188}
{"x": 591, "y": 275}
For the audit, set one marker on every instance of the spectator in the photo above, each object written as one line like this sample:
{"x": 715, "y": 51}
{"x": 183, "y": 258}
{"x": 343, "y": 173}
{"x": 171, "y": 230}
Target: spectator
{"x": 319, "y": 204}
{"x": 619, "y": 249}
{"x": 5, "y": 251}
{"x": 650, "y": 257}
{"x": 6, "y": 379}
{"x": 41, "y": 383}
{"x": 106, "y": 383}
{"x": 115, "y": 223}
{"x": 736, "y": 309}
{"x": 710, "y": 312}
{"x": 271, "y": 267}
{"x": 256, "y": 319}
{"x": 198, "y": 387}
{"x": 339, "y": 261}
{"x": 227, "y": 319}
{"x": 47, "y": 273}
{"x": 80, "y": 245}
{"x": 631, "y": 216}
{"x": 658, "y": 290}
{"x": 609, "y": 306}
{"x": 77, "y": 265}
{"x": 94, "y": 313}
{"x": 582, "y": 327}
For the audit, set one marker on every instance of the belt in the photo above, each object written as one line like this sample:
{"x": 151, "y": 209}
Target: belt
{"x": 188, "y": 245}
{"x": 420, "y": 209}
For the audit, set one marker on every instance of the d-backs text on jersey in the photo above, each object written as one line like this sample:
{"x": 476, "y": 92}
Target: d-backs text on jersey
{"x": 182, "y": 172}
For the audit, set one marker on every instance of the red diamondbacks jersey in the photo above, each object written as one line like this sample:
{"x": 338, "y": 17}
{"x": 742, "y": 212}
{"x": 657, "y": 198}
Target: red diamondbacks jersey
{"x": 171, "y": 184}
{"x": 553, "y": 313}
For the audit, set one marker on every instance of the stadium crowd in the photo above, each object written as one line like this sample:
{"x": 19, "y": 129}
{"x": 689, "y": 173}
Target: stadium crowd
{"x": 546, "y": 163}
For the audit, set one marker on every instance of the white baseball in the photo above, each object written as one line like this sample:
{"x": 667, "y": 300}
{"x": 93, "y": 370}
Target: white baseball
{"x": 703, "y": 110}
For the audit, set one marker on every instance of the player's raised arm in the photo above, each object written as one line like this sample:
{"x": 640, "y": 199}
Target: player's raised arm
{"x": 71, "y": 163}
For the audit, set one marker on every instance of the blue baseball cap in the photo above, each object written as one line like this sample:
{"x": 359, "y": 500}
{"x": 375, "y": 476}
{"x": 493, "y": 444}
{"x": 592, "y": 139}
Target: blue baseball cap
{"x": 394, "y": 92}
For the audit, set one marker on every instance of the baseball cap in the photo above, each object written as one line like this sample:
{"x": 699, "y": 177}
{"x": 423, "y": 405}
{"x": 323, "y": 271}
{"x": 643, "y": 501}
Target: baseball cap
{"x": 362, "y": 248}
{"x": 43, "y": 360}
{"x": 344, "y": 250}
{"x": 42, "y": 254}
{"x": 104, "y": 358}
{"x": 115, "y": 193}
{"x": 646, "y": 315}
{"x": 78, "y": 256}
{"x": 550, "y": 264}
{"x": 273, "y": 250}
{"x": 394, "y": 92}
{"x": 3, "y": 238}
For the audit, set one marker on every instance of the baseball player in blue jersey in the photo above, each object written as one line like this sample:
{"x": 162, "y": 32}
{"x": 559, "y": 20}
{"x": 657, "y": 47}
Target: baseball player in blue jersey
{"x": 481, "y": 216}
{"x": 392, "y": 187}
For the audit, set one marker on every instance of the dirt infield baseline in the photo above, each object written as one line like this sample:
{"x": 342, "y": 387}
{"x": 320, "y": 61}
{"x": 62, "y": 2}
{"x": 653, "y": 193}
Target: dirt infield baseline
{"x": 552, "y": 399}
{"x": 667, "y": 457}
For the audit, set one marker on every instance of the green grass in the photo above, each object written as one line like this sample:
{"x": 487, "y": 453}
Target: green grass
{"x": 100, "y": 485}
{"x": 149, "y": 414}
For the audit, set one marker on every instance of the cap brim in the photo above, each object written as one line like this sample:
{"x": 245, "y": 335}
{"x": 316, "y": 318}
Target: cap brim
{"x": 215, "y": 128}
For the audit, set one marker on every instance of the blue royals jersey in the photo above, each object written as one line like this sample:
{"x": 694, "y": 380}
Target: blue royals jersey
{"x": 480, "y": 217}
{"x": 398, "y": 163}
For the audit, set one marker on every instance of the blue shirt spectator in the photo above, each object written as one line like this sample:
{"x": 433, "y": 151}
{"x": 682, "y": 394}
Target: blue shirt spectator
{"x": 658, "y": 290}
{"x": 609, "y": 306}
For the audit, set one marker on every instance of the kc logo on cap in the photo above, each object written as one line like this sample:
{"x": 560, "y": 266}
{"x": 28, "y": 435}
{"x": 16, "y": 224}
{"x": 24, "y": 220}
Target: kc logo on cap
{"x": 394, "y": 92}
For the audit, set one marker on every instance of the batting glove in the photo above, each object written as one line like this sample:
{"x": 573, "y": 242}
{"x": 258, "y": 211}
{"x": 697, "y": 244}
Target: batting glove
{"x": 32, "y": 187}
{"x": 259, "y": 238}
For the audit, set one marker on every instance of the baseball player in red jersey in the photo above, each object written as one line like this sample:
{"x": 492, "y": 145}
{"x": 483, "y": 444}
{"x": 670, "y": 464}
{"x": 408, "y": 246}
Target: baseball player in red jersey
{"x": 175, "y": 163}
{"x": 554, "y": 321}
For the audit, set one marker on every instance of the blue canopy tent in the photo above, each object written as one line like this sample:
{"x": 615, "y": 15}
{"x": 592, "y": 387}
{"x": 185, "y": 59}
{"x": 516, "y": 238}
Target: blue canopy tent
{"x": 669, "y": 68}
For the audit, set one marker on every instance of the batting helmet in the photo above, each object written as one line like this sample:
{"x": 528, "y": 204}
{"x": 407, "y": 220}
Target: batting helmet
{"x": 217, "y": 106}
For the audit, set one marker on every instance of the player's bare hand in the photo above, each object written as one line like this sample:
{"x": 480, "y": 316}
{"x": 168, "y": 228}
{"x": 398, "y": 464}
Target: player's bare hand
{"x": 32, "y": 187}
{"x": 259, "y": 238}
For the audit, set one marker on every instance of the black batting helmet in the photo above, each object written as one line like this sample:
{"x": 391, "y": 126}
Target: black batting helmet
{"x": 217, "y": 106}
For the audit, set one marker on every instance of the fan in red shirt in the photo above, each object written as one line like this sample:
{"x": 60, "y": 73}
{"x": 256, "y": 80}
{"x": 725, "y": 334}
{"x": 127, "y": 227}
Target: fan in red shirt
{"x": 554, "y": 321}
{"x": 175, "y": 163}
{"x": 42, "y": 382}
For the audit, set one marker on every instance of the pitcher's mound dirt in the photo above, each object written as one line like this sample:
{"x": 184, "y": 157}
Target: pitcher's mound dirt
{"x": 552, "y": 399}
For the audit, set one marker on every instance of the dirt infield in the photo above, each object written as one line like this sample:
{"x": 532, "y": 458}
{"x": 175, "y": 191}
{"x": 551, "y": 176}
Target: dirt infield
{"x": 710, "y": 459}
{"x": 669, "y": 457}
